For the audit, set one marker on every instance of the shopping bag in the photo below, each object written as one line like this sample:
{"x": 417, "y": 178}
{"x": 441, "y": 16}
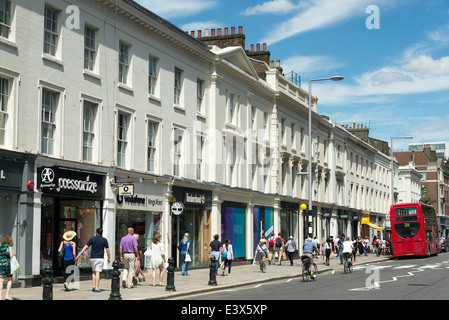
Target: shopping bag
{"x": 14, "y": 264}
{"x": 188, "y": 259}
{"x": 148, "y": 253}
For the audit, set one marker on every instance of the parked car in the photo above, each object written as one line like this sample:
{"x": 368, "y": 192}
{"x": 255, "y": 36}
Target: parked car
{"x": 444, "y": 244}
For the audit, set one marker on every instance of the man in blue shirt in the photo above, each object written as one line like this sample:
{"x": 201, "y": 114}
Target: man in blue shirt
{"x": 308, "y": 247}
{"x": 98, "y": 244}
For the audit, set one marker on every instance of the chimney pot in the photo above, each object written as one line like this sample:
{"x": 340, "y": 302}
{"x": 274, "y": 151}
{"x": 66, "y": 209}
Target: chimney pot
{"x": 278, "y": 63}
{"x": 232, "y": 30}
{"x": 206, "y": 32}
{"x": 240, "y": 29}
{"x": 192, "y": 33}
{"x": 271, "y": 63}
{"x": 219, "y": 31}
{"x": 258, "y": 46}
{"x": 226, "y": 31}
{"x": 212, "y": 32}
{"x": 264, "y": 47}
{"x": 199, "y": 34}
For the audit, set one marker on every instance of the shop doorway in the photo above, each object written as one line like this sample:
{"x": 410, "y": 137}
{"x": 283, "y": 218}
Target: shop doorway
{"x": 61, "y": 215}
{"x": 197, "y": 224}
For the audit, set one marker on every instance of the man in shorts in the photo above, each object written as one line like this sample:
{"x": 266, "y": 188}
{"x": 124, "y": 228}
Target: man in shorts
{"x": 98, "y": 243}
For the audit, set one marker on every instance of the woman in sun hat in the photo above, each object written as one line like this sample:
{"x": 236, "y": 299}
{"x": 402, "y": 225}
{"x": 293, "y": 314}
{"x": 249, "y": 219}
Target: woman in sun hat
{"x": 67, "y": 250}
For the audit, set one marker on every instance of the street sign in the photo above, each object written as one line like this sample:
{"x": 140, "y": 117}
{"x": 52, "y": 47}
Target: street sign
{"x": 177, "y": 208}
{"x": 126, "y": 190}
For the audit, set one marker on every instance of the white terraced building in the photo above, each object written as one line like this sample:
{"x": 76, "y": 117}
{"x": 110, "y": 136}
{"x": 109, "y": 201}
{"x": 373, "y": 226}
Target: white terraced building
{"x": 96, "y": 94}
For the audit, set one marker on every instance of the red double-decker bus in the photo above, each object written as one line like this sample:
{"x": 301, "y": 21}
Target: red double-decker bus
{"x": 414, "y": 230}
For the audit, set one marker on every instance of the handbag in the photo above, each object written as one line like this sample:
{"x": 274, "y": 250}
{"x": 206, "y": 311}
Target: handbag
{"x": 14, "y": 264}
{"x": 188, "y": 259}
{"x": 148, "y": 253}
{"x": 224, "y": 256}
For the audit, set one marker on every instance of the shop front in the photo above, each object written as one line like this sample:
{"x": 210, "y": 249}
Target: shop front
{"x": 141, "y": 211}
{"x": 16, "y": 208}
{"x": 233, "y": 226}
{"x": 263, "y": 223}
{"x": 326, "y": 216}
{"x": 72, "y": 200}
{"x": 10, "y": 187}
{"x": 342, "y": 223}
{"x": 290, "y": 221}
{"x": 195, "y": 219}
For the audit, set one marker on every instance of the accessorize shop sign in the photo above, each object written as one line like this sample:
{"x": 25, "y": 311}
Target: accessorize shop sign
{"x": 70, "y": 182}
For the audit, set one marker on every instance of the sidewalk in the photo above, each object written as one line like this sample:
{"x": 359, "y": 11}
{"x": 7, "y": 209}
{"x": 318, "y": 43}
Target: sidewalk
{"x": 195, "y": 283}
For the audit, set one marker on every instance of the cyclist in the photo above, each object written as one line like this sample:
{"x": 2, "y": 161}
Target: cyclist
{"x": 309, "y": 248}
{"x": 347, "y": 249}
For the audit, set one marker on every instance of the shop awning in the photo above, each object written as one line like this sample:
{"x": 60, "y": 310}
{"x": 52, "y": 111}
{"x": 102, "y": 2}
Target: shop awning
{"x": 365, "y": 220}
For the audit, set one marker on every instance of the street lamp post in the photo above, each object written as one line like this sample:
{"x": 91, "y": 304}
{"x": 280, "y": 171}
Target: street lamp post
{"x": 392, "y": 163}
{"x": 334, "y": 78}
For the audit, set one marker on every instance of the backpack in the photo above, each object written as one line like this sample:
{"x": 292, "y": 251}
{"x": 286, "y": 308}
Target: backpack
{"x": 278, "y": 242}
{"x": 271, "y": 242}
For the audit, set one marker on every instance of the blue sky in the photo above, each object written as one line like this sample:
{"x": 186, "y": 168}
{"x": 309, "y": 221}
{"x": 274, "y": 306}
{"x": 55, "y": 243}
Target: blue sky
{"x": 396, "y": 77}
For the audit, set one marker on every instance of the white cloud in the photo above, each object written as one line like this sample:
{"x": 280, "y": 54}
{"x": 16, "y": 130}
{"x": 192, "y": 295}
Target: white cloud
{"x": 318, "y": 14}
{"x": 178, "y": 8}
{"x": 426, "y": 65}
{"x": 273, "y": 7}
{"x": 309, "y": 64}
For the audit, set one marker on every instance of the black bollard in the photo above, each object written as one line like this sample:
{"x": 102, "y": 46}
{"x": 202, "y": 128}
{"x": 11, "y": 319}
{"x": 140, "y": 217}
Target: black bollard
{"x": 115, "y": 283}
{"x": 212, "y": 272}
{"x": 171, "y": 275}
{"x": 47, "y": 280}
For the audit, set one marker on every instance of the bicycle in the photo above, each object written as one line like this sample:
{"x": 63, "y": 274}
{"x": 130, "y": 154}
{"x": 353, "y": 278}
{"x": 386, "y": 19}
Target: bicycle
{"x": 347, "y": 263}
{"x": 308, "y": 271}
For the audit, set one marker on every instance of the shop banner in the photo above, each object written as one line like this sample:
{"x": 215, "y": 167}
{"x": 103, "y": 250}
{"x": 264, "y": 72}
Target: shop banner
{"x": 55, "y": 180}
{"x": 10, "y": 175}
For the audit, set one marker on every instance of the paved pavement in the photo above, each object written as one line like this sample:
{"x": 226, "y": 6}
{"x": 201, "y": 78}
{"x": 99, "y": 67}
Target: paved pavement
{"x": 196, "y": 282}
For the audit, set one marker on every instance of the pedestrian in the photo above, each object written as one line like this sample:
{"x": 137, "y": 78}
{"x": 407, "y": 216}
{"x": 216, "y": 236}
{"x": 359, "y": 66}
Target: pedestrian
{"x": 340, "y": 247}
{"x": 6, "y": 255}
{"x": 317, "y": 243}
{"x": 271, "y": 248}
{"x": 376, "y": 245}
{"x": 279, "y": 243}
{"x": 360, "y": 246}
{"x": 354, "y": 248}
{"x": 185, "y": 250}
{"x": 328, "y": 246}
{"x": 67, "y": 250}
{"x": 128, "y": 255}
{"x": 262, "y": 253}
{"x": 333, "y": 247}
{"x": 215, "y": 251}
{"x": 99, "y": 245}
{"x": 227, "y": 256}
{"x": 291, "y": 249}
{"x": 323, "y": 249}
{"x": 138, "y": 274}
{"x": 366, "y": 244}
{"x": 157, "y": 258}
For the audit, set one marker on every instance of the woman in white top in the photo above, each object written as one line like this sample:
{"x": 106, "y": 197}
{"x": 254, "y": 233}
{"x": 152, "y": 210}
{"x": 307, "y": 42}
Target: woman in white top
{"x": 227, "y": 255}
{"x": 157, "y": 259}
